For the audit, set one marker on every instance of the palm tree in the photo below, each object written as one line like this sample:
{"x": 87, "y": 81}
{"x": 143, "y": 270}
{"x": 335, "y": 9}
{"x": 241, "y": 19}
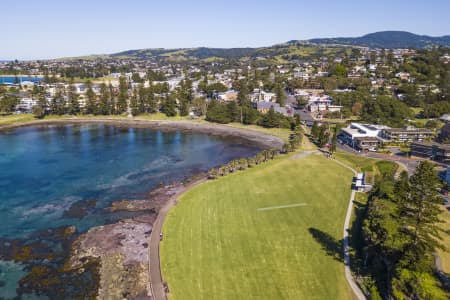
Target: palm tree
{"x": 250, "y": 162}
{"x": 213, "y": 173}
{"x": 273, "y": 153}
{"x": 243, "y": 164}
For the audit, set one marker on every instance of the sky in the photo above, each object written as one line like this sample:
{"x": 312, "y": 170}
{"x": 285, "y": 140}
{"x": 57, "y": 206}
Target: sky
{"x": 41, "y": 29}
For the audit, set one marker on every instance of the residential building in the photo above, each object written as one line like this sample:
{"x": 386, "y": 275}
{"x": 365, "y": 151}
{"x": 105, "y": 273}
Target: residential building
{"x": 26, "y": 104}
{"x": 264, "y": 107}
{"x": 431, "y": 150}
{"x": 406, "y": 134}
{"x": 366, "y": 143}
{"x": 228, "y": 96}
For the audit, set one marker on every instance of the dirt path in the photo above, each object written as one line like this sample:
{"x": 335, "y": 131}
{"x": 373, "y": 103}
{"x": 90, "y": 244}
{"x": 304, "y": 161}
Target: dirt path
{"x": 156, "y": 281}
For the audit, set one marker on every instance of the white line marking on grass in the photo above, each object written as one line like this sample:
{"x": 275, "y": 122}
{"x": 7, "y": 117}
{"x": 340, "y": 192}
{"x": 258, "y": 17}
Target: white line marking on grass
{"x": 281, "y": 206}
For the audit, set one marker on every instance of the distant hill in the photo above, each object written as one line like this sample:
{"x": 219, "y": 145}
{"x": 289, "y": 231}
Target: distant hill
{"x": 295, "y": 49}
{"x": 388, "y": 39}
{"x": 192, "y": 53}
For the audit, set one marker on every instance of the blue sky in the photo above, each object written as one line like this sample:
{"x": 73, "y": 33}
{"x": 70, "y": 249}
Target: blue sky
{"x": 33, "y": 29}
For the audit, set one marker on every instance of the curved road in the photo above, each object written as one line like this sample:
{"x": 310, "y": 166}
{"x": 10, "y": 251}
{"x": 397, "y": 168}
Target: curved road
{"x": 348, "y": 274}
{"x": 156, "y": 281}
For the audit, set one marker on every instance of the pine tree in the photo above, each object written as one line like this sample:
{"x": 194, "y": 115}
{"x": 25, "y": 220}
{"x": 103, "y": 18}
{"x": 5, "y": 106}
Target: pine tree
{"x": 333, "y": 143}
{"x": 134, "y": 103}
{"x": 184, "y": 108}
{"x": 315, "y": 129}
{"x": 72, "y": 98}
{"x": 91, "y": 101}
{"x": 142, "y": 99}
{"x": 112, "y": 103}
{"x": 169, "y": 106}
{"x": 242, "y": 96}
{"x": 280, "y": 94}
{"x": 419, "y": 215}
{"x": 103, "y": 108}
{"x": 122, "y": 99}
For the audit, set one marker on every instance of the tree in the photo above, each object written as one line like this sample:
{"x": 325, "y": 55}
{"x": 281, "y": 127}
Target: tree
{"x": 280, "y": 94}
{"x": 104, "y": 105}
{"x": 184, "y": 108}
{"x": 122, "y": 99}
{"x": 58, "y": 103}
{"x": 249, "y": 115}
{"x": 333, "y": 142}
{"x": 323, "y": 136}
{"x": 38, "y": 111}
{"x": 8, "y": 104}
{"x": 169, "y": 106}
{"x": 72, "y": 99}
{"x": 91, "y": 99}
{"x": 199, "y": 106}
{"x": 218, "y": 112}
{"x": 270, "y": 119}
{"x": 315, "y": 129}
{"x": 242, "y": 96}
{"x": 134, "y": 103}
{"x": 419, "y": 215}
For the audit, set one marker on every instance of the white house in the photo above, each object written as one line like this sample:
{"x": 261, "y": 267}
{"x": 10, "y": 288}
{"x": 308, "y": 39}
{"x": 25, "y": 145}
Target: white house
{"x": 26, "y": 104}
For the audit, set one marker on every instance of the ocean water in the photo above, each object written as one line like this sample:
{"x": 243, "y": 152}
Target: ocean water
{"x": 13, "y": 79}
{"x": 46, "y": 169}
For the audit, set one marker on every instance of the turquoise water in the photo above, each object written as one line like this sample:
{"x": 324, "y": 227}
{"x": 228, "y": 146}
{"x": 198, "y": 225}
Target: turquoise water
{"x": 43, "y": 170}
{"x": 13, "y": 79}
{"x": 46, "y": 169}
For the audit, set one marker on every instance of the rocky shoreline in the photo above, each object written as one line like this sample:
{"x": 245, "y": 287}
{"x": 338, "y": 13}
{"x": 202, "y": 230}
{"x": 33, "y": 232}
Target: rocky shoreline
{"x": 122, "y": 248}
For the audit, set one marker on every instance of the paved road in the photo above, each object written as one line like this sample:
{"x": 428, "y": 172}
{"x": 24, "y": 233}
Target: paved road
{"x": 348, "y": 274}
{"x": 407, "y": 163}
{"x": 156, "y": 281}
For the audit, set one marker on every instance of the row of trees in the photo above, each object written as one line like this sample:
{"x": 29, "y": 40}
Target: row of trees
{"x": 242, "y": 164}
{"x": 401, "y": 233}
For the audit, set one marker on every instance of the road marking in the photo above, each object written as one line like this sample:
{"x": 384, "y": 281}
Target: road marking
{"x": 281, "y": 206}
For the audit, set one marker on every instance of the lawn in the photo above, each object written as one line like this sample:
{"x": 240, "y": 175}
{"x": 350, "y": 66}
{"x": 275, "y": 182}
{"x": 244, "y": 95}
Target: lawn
{"x": 218, "y": 245}
{"x": 445, "y": 255}
{"x": 283, "y": 133}
{"x": 13, "y": 119}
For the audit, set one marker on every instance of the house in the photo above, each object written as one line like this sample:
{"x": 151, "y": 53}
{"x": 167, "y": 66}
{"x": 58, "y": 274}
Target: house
{"x": 322, "y": 103}
{"x": 431, "y": 150}
{"x": 227, "y": 96}
{"x": 26, "y": 104}
{"x": 403, "y": 76}
{"x": 260, "y": 95}
{"x": 264, "y": 107}
{"x": 406, "y": 134}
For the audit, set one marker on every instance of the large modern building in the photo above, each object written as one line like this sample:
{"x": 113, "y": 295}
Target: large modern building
{"x": 431, "y": 150}
{"x": 361, "y": 136}
{"x": 407, "y": 134}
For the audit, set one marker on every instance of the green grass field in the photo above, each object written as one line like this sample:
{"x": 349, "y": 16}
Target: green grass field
{"x": 14, "y": 119}
{"x": 445, "y": 255}
{"x": 218, "y": 245}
